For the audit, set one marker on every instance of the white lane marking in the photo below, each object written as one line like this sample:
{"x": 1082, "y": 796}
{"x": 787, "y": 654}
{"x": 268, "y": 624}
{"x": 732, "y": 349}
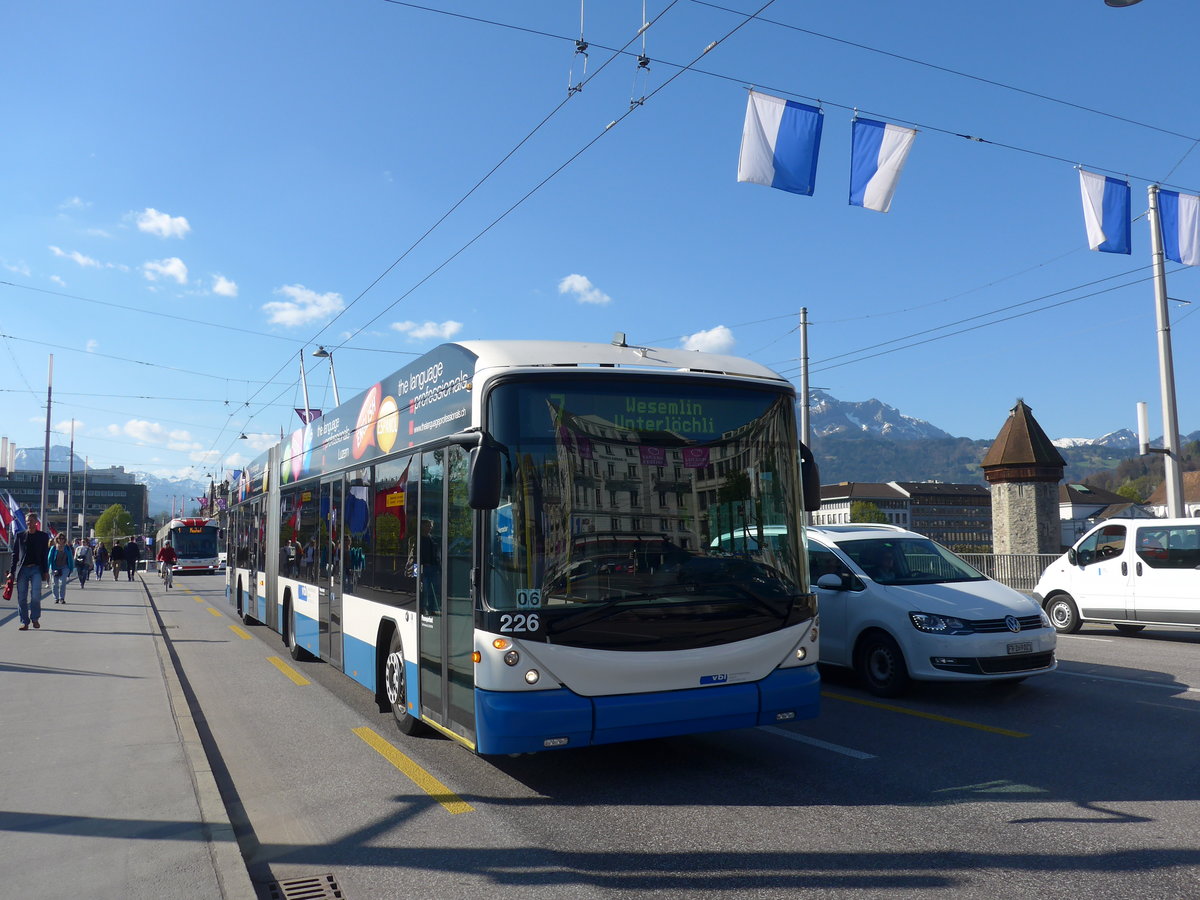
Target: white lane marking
{"x": 1178, "y": 688}
{"x": 1080, "y": 637}
{"x": 824, "y": 745}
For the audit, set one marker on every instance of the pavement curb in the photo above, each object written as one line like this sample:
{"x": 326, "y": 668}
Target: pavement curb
{"x": 223, "y": 849}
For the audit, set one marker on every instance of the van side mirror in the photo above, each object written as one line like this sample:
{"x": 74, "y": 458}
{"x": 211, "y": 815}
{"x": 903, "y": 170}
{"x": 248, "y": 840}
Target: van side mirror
{"x": 810, "y": 479}
{"x": 1073, "y": 557}
{"x": 483, "y": 478}
{"x": 831, "y": 582}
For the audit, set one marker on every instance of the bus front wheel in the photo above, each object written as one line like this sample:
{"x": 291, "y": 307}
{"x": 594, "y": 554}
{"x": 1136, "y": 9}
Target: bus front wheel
{"x": 396, "y": 686}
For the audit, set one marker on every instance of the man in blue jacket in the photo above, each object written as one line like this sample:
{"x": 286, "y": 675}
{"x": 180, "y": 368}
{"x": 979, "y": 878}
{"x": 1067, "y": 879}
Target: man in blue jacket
{"x": 29, "y": 569}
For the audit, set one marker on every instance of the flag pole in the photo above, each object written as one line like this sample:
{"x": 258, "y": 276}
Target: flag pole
{"x": 1173, "y": 477}
{"x": 70, "y": 479}
{"x": 46, "y": 454}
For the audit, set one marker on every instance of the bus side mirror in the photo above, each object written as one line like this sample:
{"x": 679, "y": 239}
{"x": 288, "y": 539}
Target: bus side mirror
{"x": 483, "y": 478}
{"x": 810, "y": 479}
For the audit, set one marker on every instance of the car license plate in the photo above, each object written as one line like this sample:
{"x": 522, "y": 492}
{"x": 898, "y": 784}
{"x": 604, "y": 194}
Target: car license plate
{"x": 1020, "y": 647}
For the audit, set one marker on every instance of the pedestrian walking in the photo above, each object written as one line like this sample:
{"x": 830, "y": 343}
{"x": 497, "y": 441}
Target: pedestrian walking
{"x": 83, "y": 561}
{"x": 61, "y": 562}
{"x": 101, "y": 557}
{"x": 30, "y": 568}
{"x": 116, "y": 558}
{"x": 133, "y": 553}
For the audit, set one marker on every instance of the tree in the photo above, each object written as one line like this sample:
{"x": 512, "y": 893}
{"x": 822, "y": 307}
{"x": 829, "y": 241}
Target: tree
{"x": 864, "y": 511}
{"x": 114, "y": 522}
{"x": 1130, "y": 492}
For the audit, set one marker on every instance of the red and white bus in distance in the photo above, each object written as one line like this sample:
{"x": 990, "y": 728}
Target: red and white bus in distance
{"x": 195, "y": 542}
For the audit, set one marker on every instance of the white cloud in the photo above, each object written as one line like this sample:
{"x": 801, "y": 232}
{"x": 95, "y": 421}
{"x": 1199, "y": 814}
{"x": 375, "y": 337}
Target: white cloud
{"x": 74, "y": 203}
{"x": 92, "y": 345}
{"x": 57, "y": 280}
{"x": 143, "y": 431}
{"x": 76, "y": 257}
{"x": 583, "y": 289}
{"x": 445, "y": 330}
{"x": 224, "y": 287}
{"x": 715, "y": 340}
{"x": 152, "y": 221}
{"x": 20, "y": 268}
{"x": 302, "y": 307}
{"x": 64, "y": 427}
{"x": 205, "y": 456}
{"x": 173, "y": 267}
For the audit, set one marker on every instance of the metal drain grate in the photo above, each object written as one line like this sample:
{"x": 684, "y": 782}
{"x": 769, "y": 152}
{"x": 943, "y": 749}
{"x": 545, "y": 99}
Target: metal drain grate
{"x": 316, "y": 887}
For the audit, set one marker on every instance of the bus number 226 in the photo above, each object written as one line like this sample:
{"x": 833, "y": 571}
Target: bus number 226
{"x": 521, "y": 622}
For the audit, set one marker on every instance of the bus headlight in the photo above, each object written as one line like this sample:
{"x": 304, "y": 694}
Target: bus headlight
{"x": 532, "y": 676}
{"x": 511, "y": 658}
{"x": 801, "y": 653}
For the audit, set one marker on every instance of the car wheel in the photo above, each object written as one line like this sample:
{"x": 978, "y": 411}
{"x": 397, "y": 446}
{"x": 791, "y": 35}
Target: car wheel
{"x": 881, "y": 666}
{"x": 1062, "y": 614}
{"x": 1126, "y": 628}
{"x": 396, "y": 685}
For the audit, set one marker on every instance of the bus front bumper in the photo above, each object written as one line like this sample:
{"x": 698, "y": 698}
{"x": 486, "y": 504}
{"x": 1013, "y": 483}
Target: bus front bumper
{"x": 532, "y": 721}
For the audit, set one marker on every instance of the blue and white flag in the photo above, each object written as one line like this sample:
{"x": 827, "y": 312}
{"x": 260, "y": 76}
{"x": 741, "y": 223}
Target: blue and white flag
{"x": 1180, "y": 218}
{"x": 780, "y": 143}
{"x": 1105, "y": 212}
{"x": 877, "y": 154}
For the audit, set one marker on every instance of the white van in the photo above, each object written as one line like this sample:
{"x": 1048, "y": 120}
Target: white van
{"x": 895, "y": 606}
{"x": 1129, "y": 573}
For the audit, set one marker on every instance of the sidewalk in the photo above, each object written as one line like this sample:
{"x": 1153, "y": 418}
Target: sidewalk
{"x": 105, "y": 790}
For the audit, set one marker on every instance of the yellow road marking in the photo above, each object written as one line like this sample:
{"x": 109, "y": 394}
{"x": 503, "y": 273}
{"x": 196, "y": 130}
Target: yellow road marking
{"x": 287, "y": 670}
{"x": 215, "y": 612}
{"x": 924, "y": 715}
{"x": 198, "y": 599}
{"x": 421, "y": 778}
{"x": 239, "y": 632}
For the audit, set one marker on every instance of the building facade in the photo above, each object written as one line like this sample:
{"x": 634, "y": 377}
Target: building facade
{"x": 91, "y": 496}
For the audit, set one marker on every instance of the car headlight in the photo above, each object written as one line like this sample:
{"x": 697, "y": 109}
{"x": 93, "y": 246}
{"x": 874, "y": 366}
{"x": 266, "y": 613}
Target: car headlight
{"x": 935, "y": 624}
{"x": 1045, "y": 618}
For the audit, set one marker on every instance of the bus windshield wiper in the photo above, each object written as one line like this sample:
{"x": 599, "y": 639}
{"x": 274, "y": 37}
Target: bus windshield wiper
{"x": 607, "y": 605}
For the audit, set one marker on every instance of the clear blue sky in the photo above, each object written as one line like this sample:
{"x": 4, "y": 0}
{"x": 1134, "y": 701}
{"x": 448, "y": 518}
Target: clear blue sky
{"x": 258, "y": 166}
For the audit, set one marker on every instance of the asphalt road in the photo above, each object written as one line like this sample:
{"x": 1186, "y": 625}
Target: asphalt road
{"x": 1080, "y": 783}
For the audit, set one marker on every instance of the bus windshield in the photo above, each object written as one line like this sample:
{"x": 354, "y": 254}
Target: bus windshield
{"x": 194, "y": 542}
{"x": 647, "y": 513}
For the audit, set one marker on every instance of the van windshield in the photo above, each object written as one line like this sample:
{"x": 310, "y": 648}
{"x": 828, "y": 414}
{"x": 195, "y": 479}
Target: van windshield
{"x": 907, "y": 561}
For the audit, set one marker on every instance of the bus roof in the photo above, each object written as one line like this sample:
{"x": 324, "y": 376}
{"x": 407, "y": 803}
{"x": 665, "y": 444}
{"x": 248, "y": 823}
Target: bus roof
{"x": 521, "y": 354}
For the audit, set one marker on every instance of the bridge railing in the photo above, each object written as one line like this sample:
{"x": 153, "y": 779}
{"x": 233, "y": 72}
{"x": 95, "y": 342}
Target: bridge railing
{"x": 1019, "y": 571}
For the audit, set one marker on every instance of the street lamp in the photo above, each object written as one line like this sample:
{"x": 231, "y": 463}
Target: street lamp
{"x": 1120, "y": 3}
{"x": 322, "y": 353}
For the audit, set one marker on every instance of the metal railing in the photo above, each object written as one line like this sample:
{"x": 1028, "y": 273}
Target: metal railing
{"x": 1020, "y": 571}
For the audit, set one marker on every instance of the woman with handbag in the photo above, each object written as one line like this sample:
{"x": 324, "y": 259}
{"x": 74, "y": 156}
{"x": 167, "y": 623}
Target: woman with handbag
{"x": 29, "y": 569}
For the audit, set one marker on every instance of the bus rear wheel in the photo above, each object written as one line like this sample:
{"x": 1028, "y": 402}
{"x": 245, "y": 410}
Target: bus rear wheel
{"x": 396, "y": 685}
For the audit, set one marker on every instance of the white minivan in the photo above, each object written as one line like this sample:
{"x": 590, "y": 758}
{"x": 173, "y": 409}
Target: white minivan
{"x": 1129, "y": 573}
{"x": 895, "y": 606}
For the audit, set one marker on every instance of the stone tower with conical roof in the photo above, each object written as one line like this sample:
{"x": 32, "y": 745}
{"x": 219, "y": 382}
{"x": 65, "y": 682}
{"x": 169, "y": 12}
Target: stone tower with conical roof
{"x": 1024, "y": 470}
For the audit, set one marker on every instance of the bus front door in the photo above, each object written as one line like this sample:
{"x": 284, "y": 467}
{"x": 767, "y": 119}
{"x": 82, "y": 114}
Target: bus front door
{"x": 447, "y": 617}
{"x": 329, "y": 583}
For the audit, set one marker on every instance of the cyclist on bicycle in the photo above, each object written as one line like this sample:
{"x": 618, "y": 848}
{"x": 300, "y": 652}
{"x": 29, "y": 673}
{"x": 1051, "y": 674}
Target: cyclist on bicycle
{"x": 167, "y": 558}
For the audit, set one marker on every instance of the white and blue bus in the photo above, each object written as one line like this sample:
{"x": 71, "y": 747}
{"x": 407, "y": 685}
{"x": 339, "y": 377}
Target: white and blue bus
{"x": 509, "y": 542}
{"x": 196, "y": 543}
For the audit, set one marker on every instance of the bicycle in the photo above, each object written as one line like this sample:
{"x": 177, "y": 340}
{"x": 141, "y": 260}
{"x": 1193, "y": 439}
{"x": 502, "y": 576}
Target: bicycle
{"x": 167, "y": 576}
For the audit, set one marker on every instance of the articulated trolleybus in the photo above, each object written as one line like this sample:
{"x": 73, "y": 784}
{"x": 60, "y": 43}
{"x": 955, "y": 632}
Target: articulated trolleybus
{"x": 195, "y": 542}
{"x": 511, "y": 543}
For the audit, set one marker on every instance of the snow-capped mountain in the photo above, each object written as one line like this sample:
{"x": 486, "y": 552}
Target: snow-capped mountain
{"x": 30, "y": 459}
{"x": 830, "y": 417}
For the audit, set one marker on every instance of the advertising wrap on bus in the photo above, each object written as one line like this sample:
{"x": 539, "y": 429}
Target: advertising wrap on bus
{"x": 426, "y": 400}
